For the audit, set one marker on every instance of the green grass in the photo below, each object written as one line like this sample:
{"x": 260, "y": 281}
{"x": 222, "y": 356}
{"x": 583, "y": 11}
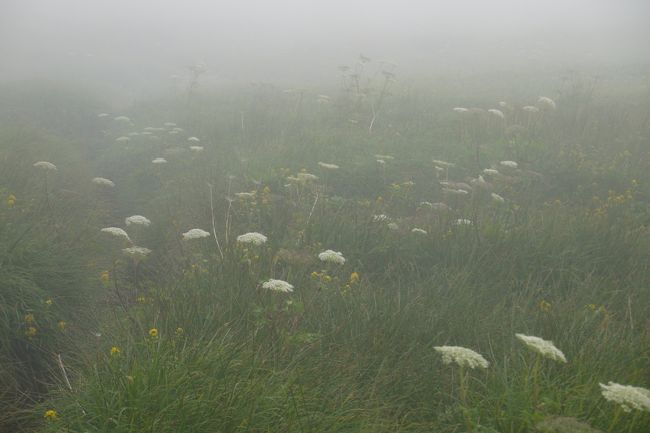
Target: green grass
{"x": 566, "y": 258}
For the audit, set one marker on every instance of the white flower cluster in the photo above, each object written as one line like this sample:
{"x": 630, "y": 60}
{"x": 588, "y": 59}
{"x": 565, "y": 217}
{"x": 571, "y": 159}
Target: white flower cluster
{"x": 277, "y": 286}
{"x": 328, "y": 166}
{"x": 496, "y": 112}
{"x": 443, "y": 163}
{"x": 137, "y": 220}
{"x": 116, "y": 231}
{"x": 332, "y": 257}
{"x": 497, "y": 198}
{"x": 545, "y": 100}
{"x": 629, "y": 397}
{"x": 137, "y": 252}
{"x": 195, "y": 234}
{"x": 418, "y": 231}
{"x": 544, "y": 347}
{"x": 252, "y": 238}
{"x": 462, "y": 356}
{"x": 511, "y": 164}
{"x": 45, "y": 165}
{"x": 159, "y": 160}
{"x": 103, "y": 181}
{"x": 306, "y": 177}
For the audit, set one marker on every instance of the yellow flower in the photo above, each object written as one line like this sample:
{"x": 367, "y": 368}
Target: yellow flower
{"x": 544, "y": 306}
{"x": 115, "y": 351}
{"x": 354, "y": 278}
{"x": 48, "y": 302}
{"x": 179, "y": 331}
{"x": 31, "y": 332}
{"x": 51, "y": 415}
{"x": 62, "y": 325}
{"x": 315, "y": 274}
{"x": 327, "y": 278}
{"x": 29, "y": 318}
{"x": 11, "y": 200}
{"x": 141, "y": 299}
{"x": 153, "y": 332}
{"x": 105, "y": 276}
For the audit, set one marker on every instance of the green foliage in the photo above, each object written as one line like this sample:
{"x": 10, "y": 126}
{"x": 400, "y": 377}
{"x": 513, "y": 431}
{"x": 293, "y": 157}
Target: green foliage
{"x": 190, "y": 341}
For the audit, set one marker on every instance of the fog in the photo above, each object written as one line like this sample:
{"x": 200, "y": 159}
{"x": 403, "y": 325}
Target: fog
{"x": 141, "y": 44}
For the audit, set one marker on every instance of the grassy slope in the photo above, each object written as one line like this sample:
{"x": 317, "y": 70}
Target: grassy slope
{"x": 341, "y": 356}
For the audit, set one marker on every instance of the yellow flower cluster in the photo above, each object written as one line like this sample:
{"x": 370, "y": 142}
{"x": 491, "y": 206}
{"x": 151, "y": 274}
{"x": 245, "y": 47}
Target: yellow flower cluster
{"x": 105, "y": 276}
{"x": 11, "y": 200}
{"x": 545, "y": 306}
{"x": 322, "y": 276}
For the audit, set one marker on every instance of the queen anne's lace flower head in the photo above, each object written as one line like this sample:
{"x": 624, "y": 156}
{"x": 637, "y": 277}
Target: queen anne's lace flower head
{"x": 462, "y": 356}
{"x": 45, "y": 165}
{"x": 196, "y": 148}
{"x": 418, "y": 231}
{"x": 116, "y": 231}
{"x": 548, "y": 102}
{"x": 193, "y": 139}
{"x": 328, "y": 166}
{"x": 496, "y": 112}
{"x": 332, "y": 257}
{"x": 497, "y": 198}
{"x": 137, "y": 220}
{"x": 137, "y": 252}
{"x": 306, "y": 177}
{"x": 103, "y": 181}
{"x": 629, "y": 397}
{"x": 544, "y": 347}
{"x": 159, "y": 160}
{"x": 443, "y": 163}
{"x": 277, "y": 286}
{"x": 252, "y": 238}
{"x": 195, "y": 234}
{"x": 511, "y": 164}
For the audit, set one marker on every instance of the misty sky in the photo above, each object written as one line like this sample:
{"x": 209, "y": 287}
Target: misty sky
{"x": 132, "y": 42}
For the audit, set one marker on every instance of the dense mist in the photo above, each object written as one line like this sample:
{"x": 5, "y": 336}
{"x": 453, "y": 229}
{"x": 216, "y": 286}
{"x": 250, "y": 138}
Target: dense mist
{"x": 148, "y": 44}
{"x": 338, "y": 216}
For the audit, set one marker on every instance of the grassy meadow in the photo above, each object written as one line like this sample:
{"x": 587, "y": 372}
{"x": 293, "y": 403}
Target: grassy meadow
{"x": 456, "y": 226}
